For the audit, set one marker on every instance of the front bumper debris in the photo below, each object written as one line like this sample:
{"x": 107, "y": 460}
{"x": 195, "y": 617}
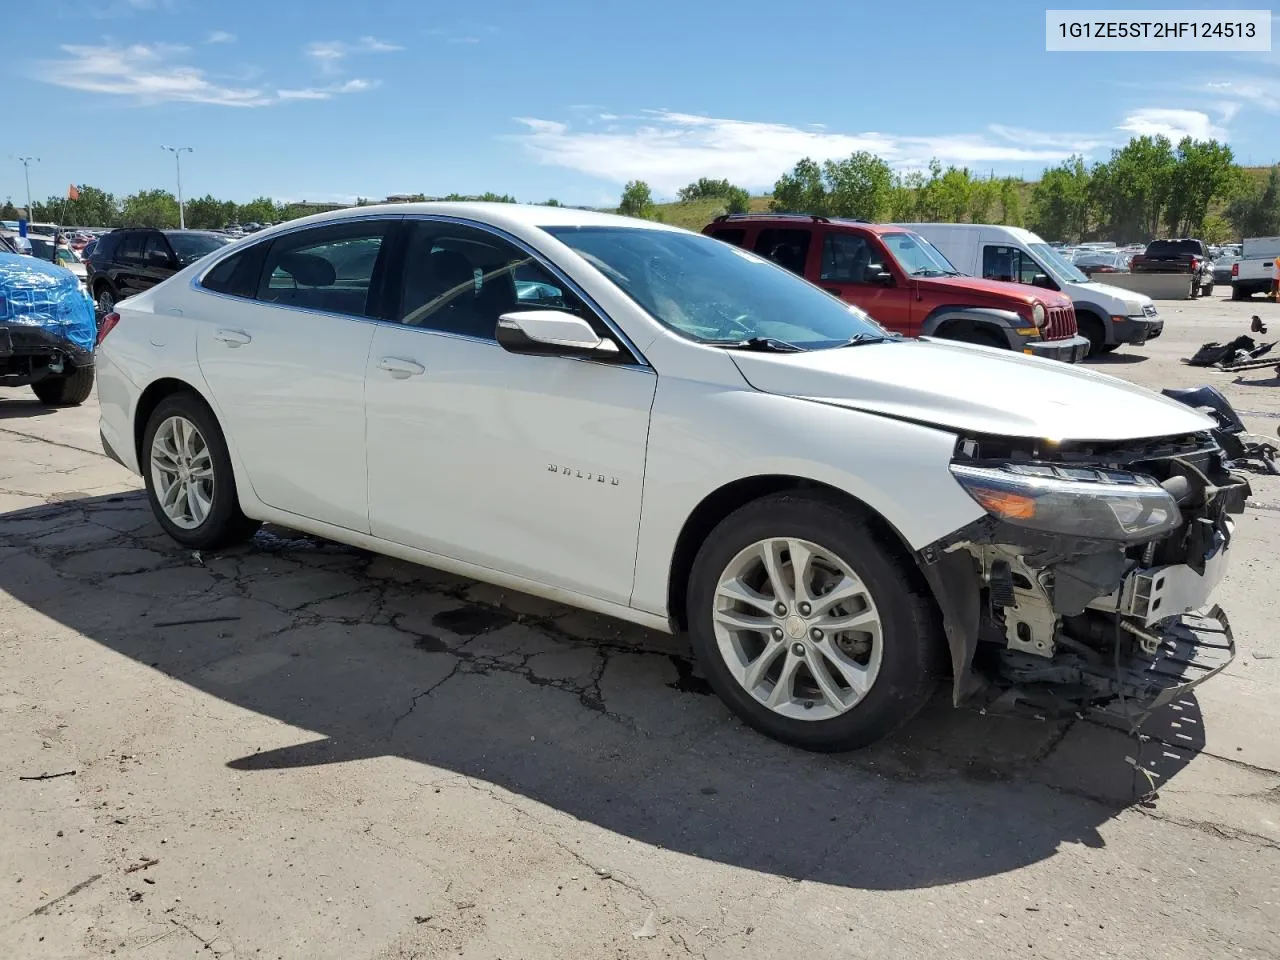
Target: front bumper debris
{"x": 1069, "y": 350}
{"x": 1136, "y": 330}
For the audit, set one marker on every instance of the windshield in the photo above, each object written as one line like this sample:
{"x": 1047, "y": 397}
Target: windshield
{"x": 1061, "y": 271}
{"x": 714, "y": 292}
{"x": 190, "y": 247}
{"x": 917, "y": 256}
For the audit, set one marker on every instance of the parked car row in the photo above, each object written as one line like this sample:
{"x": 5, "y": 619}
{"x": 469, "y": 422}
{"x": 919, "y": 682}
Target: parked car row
{"x": 682, "y": 432}
{"x": 993, "y": 285}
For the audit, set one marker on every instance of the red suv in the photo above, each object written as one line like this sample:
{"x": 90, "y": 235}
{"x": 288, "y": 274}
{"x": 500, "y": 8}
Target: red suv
{"x": 907, "y": 285}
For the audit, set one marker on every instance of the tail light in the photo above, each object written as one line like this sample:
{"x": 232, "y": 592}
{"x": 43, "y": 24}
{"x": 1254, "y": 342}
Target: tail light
{"x": 106, "y": 326}
{"x": 1235, "y": 269}
{"x": 1195, "y": 264}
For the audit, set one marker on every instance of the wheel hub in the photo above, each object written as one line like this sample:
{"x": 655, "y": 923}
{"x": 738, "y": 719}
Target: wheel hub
{"x": 795, "y": 626}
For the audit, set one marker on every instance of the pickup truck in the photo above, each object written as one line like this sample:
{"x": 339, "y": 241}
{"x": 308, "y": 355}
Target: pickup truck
{"x": 1178, "y": 256}
{"x": 907, "y": 285}
{"x": 1252, "y": 273}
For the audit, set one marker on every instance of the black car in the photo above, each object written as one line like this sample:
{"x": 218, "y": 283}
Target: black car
{"x": 126, "y": 262}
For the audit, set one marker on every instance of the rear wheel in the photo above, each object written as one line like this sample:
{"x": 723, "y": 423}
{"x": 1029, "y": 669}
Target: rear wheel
{"x": 188, "y": 475}
{"x": 67, "y": 389}
{"x": 808, "y": 628}
{"x": 1237, "y": 293}
{"x": 106, "y": 299}
{"x": 1207, "y": 290}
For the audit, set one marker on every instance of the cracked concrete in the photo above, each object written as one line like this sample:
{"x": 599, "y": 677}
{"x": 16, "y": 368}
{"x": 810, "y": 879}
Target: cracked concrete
{"x": 335, "y": 754}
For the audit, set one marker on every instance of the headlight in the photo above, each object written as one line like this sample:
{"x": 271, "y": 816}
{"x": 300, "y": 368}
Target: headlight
{"x": 1076, "y": 501}
{"x": 1132, "y": 308}
{"x": 1038, "y": 314}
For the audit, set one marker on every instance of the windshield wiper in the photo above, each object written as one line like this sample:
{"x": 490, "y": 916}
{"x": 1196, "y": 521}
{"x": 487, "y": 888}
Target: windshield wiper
{"x": 763, "y": 345}
{"x": 860, "y": 338}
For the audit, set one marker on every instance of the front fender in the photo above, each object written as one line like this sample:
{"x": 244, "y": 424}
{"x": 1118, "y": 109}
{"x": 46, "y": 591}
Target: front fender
{"x": 898, "y": 469}
{"x": 1004, "y": 322}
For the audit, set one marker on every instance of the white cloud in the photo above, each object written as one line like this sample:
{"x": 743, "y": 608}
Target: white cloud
{"x": 1174, "y": 124}
{"x": 1260, "y": 93}
{"x": 220, "y": 36}
{"x": 155, "y": 74}
{"x": 329, "y": 54}
{"x": 668, "y": 149}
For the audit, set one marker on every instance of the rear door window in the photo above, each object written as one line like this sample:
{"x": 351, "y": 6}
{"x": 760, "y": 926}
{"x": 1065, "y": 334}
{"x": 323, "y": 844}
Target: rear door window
{"x": 1011, "y": 264}
{"x": 787, "y": 248}
{"x": 131, "y": 245}
{"x": 735, "y": 235}
{"x": 330, "y": 268}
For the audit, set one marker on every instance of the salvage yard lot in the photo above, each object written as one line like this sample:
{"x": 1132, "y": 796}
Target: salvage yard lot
{"x": 297, "y": 749}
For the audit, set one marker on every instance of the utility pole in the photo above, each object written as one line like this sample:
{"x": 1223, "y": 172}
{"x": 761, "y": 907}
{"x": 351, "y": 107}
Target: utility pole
{"x": 177, "y": 159}
{"x": 26, "y": 169}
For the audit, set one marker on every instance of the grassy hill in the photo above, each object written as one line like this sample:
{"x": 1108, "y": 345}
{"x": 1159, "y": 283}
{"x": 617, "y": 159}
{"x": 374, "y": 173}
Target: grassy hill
{"x": 696, "y": 214}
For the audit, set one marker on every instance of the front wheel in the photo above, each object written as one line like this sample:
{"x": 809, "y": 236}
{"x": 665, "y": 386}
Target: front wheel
{"x": 188, "y": 475}
{"x": 808, "y": 628}
{"x": 1206, "y": 290}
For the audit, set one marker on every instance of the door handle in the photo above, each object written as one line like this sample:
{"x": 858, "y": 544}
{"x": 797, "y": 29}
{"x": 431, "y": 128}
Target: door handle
{"x": 232, "y": 338}
{"x": 400, "y": 368}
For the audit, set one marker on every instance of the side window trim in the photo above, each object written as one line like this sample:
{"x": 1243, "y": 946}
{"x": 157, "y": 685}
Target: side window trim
{"x": 638, "y": 359}
{"x": 261, "y": 248}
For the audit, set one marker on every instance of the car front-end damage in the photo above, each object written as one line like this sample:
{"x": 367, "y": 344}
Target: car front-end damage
{"x": 1084, "y": 587}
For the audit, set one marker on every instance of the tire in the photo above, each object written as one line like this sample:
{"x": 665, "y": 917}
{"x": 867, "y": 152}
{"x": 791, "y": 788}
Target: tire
{"x": 1091, "y": 329}
{"x": 105, "y": 299}
{"x": 899, "y": 672}
{"x": 1237, "y": 293}
{"x": 216, "y": 519}
{"x": 65, "y": 390}
{"x": 1109, "y": 348}
{"x": 1206, "y": 290}
{"x": 983, "y": 338}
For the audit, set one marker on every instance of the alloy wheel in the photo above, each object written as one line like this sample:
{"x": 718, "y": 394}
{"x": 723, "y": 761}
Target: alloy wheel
{"x": 798, "y": 629}
{"x": 182, "y": 472}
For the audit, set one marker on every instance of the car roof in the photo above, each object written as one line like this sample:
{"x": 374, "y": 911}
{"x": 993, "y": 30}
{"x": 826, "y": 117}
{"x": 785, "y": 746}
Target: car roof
{"x": 800, "y": 219}
{"x": 508, "y": 215}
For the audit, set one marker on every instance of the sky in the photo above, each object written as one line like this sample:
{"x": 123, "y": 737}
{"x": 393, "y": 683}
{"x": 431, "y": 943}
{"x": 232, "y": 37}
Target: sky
{"x": 328, "y": 101}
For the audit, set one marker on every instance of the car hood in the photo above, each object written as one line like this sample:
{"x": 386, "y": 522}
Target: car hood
{"x": 993, "y": 289}
{"x": 1120, "y": 293}
{"x": 972, "y": 389}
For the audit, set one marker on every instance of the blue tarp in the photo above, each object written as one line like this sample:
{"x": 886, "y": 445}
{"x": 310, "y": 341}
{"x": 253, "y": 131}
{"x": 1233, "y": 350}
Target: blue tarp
{"x": 45, "y": 295}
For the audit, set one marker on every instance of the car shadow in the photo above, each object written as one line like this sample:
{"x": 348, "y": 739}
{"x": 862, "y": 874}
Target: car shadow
{"x": 12, "y": 408}
{"x": 606, "y": 722}
{"x": 1116, "y": 358}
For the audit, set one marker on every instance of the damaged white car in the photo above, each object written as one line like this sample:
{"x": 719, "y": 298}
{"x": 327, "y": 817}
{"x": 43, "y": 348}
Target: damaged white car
{"x": 662, "y": 427}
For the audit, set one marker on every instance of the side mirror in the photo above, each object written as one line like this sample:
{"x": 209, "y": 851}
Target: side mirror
{"x": 158, "y": 258}
{"x": 551, "y": 333}
{"x": 1044, "y": 281}
{"x": 877, "y": 274}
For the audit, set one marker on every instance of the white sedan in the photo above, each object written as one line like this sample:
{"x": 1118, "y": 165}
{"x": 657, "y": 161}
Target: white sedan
{"x": 664, "y": 428}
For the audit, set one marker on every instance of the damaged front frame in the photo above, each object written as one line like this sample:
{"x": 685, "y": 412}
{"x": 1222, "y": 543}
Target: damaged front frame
{"x": 1063, "y": 624}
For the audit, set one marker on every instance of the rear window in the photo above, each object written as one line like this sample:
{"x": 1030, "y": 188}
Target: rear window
{"x": 131, "y": 245}
{"x": 1170, "y": 247}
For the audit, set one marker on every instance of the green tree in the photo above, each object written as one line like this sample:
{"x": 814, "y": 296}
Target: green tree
{"x": 1255, "y": 212}
{"x": 904, "y": 197}
{"x": 801, "y": 190}
{"x": 637, "y": 200}
{"x": 1060, "y": 202}
{"x": 1132, "y": 189}
{"x": 1216, "y": 229}
{"x": 928, "y": 195}
{"x": 982, "y": 199}
{"x": 552, "y": 203}
{"x": 1204, "y": 171}
{"x": 954, "y": 190}
{"x": 8, "y": 211}
{"x": 261, "y": 210}
{"x": 859, "y": 186}
{"x": 150, "y": 208}
{"x": 1010, "y": 202}
{"x": 736, "y": 199}
{"x": 209, "y": 213}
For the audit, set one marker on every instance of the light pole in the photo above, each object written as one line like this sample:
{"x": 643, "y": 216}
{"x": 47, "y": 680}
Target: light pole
{"x": 177, "y": 159}
{"x": 26, "y": 169}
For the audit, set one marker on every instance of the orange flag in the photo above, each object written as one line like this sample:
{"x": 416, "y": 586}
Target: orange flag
{"x": 73, "y": 193}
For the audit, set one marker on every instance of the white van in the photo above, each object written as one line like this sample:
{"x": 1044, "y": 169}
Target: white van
{"x": 1107, "y": 316}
